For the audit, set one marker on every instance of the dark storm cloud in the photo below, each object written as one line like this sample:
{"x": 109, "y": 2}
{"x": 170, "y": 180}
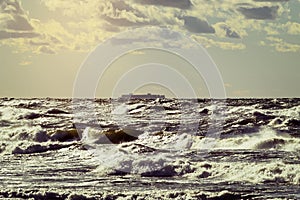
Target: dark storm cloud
{"x": 34, "y": 43}
{"x": 167, "y": 34}
{"x": 7, "y": 35}
{"x": 13, "y": 21}
{"x": 19, "y": 22}
{"x": 12, "y": 16}
{"x": 182, "y": 4}
{"x": 229, "y": 32}
{"x": 46, "y": 50}
{"x": 147, "y": 35}
{"x": 11, "y": 7}
{"x": 271, "y": 0}
{"x": 261, "y": 13}
{"x": 114, "y": 18}
{"x": 196, "y": 25}
{"x": 121, "y": 5}
{"x": 126, "y": 22}
{"x": 119, "y": 21}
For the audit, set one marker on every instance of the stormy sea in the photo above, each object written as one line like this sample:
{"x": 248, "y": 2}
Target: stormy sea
{"x": 149, "y": 148}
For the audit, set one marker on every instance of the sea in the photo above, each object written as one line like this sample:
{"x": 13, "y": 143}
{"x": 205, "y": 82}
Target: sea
{"x": 166, "y": 148}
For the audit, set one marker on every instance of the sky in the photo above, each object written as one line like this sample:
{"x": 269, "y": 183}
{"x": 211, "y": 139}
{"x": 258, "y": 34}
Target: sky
{"x": 255, "y": 44}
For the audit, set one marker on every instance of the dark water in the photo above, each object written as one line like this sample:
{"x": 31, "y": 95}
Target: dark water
{"x": 150, "y": 149}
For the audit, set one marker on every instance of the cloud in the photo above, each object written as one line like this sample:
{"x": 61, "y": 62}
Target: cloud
{"x": 206, "y": 42}
{"x": 271, "y": 0}
{"x": 196, "y": 25}
{"x": 151, "y": 36}
{"x": 223, "y": 30}
{"x": 286, "y": 47}
{"x": 121, "y": 5}
{"x": 280, "y": 45}
{"x": 120, "y": 14}
{"x": 271, "y": 30}
{"x": 274, "y": 39}
{"x": 182, "y": 4}
{"x": 293, "y": 28}
{"x": 104, "y": 17}
{"x": 25, "y": 63}
{"x": 54, "y": 35}
{"x": 87, "y": 23}
{"x": 126, "y": 22}
{"x": 46, "y": 50}
{"x": 38, "y": 43}
{"x": 14, "y": 34}
{"x": 230, "y": 33}
{"x": 260, "y": 13}
{"x": 13, "y": 21}
{"x": 12, "y": 16}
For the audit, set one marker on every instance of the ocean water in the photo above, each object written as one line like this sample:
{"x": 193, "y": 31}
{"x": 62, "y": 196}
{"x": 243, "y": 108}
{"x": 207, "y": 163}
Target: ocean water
{"x": 149, "y": 149}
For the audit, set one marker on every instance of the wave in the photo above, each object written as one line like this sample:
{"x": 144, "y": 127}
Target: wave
{"x": 148, "y": 194}
{"x": 167, "y": 138}
{"x": 39, "y": 148}
{"x": 266, "y": 138}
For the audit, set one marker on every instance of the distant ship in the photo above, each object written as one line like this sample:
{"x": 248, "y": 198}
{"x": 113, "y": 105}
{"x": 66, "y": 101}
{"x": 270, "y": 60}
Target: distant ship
{"x": 142, "y": 96}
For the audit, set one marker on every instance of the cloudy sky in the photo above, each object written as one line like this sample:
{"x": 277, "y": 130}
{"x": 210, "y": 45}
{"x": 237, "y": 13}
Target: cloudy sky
{"x": 254, "y": 43}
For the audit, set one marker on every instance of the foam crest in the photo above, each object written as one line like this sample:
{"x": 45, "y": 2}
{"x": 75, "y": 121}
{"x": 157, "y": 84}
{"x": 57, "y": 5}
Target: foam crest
{"x": 264, "y": 139}
{"x": 274, "y": 172}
